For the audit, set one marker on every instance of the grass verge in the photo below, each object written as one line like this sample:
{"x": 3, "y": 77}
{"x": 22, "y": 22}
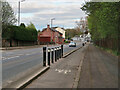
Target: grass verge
{"x": 114, "y": 52}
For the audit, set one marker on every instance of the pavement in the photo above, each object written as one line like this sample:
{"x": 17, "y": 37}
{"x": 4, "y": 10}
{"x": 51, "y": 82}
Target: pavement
{"x": 99, "y": 69}
{"x": 61, "y": 74}
{"x": 88, "y": 67}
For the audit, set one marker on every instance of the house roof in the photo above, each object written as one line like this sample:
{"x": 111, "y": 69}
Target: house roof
{"x": 58, "y": 27}
{"x": 53, "y": 29}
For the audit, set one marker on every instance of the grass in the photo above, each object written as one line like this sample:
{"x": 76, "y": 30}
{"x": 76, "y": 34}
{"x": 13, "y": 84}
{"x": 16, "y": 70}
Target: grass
{"x": 114, "y": 52}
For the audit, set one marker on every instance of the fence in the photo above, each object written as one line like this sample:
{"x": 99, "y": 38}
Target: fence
{"x": 51, "y": 55}
{"x": 109, "y": 43}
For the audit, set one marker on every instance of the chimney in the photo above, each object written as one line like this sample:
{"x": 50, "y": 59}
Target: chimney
{"x": 48, "y": 26}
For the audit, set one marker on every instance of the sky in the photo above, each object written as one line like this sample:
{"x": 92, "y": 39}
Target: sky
{"x": 40, "y": 12}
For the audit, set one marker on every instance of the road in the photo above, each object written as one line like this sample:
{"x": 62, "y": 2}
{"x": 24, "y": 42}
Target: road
{"x": 16, "y": 63}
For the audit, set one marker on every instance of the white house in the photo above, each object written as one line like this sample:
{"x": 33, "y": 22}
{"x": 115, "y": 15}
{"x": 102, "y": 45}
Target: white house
{"x": 76, "y": 38}
{"x": 61, "y": 30}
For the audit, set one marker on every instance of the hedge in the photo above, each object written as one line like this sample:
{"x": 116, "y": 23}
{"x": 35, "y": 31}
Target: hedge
{"x": 20, "y": 33}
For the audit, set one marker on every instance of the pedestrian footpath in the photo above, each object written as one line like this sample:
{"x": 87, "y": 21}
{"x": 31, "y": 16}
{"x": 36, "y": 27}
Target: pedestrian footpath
{"x": 62, "y": 74}
{"x": 99, "y": 69}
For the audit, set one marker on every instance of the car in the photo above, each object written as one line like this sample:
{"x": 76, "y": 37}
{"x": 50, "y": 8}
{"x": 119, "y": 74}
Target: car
{"x": 72, "y": 44}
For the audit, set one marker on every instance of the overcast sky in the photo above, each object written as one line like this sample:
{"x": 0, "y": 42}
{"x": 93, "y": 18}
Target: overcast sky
{"x": 39, "y": 12}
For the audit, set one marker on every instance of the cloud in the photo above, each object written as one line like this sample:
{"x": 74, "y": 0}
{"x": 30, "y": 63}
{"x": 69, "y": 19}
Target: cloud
{"x": 40, "y": 12}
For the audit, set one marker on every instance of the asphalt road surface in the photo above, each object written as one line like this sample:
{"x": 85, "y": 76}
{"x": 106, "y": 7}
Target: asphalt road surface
{"x": 99, "y": 69}
{"x": 16, "y": 63}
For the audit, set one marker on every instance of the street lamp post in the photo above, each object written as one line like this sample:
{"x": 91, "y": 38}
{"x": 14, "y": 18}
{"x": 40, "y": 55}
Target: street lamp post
{"x": 51, "y": 27}
{"x": 19, "y": 11}
{"x": 52, "y": 21}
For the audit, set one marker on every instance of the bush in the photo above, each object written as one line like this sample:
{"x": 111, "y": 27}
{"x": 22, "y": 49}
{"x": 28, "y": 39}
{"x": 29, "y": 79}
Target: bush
{"x": 67, "y": 41}
{"x": 20, "y": 33}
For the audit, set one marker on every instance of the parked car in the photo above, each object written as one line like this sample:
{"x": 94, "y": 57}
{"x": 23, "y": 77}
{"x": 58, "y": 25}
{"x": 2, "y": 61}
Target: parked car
{"x": 72, "y": 44}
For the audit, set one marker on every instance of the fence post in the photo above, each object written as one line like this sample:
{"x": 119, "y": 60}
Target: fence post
{"x": 44, "y": 56}
{"x": 52, "y": 56}
{"x": 49, "y": 56}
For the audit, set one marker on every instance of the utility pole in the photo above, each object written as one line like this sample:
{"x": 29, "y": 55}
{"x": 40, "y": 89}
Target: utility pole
{"x": 52, "y": 21}
{"x": 19, "y": 11}
{"x": 51, "y": 27}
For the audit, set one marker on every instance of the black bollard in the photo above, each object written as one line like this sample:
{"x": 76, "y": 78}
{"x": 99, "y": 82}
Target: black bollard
{"x": 49, "y": 56}
{"x": 62, "y": 50}
{"x": 55, "y": 54}
{"x": 44, "y": 56}
{"x": 52, "y": 56}
{"x": 58, "y": 53}
{"x": 83, "y": 44}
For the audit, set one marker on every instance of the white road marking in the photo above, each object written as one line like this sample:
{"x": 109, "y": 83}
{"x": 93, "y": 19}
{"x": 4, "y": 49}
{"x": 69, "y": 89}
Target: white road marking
{"x": 56, "y": 70}
{"x": 3, "y": 58}
{"x": 28, "y": 54}
{"x": 9, "y": 81}
{"x": 63, "y": 71}
{"x": 20, "y": 54}
{"x": 31, "y": 53}
{"x": 13, "y": 57}
{"x": 69, "y": 71}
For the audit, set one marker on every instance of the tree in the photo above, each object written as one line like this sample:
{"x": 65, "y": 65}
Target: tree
{"x": 70, "y": 33}
{"x": 22, "y": 25}
{"x": 8, "y": 16}
{"x": 31, "y": 26}
{"x": 39, "y": 31}
{"x": 103, "y": 23}
{"x": 81, "y": 25}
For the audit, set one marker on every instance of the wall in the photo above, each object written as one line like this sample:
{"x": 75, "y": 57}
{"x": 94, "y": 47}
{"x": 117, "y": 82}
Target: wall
{"x": 62, "y": 31}
{"x": 14, "y": 43}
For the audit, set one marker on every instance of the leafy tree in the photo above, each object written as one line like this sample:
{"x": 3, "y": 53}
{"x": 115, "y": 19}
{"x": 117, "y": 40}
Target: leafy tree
{"x": 8, "y": 16}
{"x": 22, "y": 25}
{"x": 31, "y": 26}
{"x": 103, "y": 22}
{"x": 70, "y": 33}
{"x": 39, "y": 31}
{"x": 103, "y": 19}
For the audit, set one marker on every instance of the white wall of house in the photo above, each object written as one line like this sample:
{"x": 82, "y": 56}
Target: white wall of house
{"x": 76, "y": 38}
{"x": 61, "y": 31}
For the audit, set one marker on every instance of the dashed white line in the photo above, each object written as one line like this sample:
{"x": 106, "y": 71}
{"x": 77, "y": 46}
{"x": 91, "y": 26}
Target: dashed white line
{"x": 13, "y": 57}
{"x": 28, "y": 54}
{"x": 3, "y": 58}
{"x": 20, "y": 54}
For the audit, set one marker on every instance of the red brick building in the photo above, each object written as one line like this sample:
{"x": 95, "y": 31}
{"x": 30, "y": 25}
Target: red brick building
{"x": 50, "y": 35}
